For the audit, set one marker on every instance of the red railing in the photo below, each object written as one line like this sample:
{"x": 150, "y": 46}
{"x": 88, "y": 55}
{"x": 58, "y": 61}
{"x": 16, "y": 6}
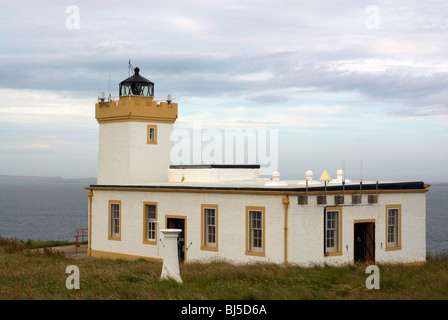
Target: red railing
{"x": 83, "y": 232}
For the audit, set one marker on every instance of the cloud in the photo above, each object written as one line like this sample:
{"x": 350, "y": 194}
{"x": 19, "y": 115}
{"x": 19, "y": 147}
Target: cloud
{"x": 291, "y": 64}
{"x": 270, "y": 98}
{"x": 184, "y": 24}
{"x": 39, "y": 107}
{"x": 255, "y": 53}
{"x": 419, "y": 112}
{"x": 36, "y": 146}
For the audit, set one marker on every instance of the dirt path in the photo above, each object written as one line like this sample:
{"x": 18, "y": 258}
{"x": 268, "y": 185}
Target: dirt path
{"x": 72, "y": 252}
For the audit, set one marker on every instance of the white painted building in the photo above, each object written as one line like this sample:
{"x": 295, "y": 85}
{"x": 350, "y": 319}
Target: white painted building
{"x": 228, "y": 211}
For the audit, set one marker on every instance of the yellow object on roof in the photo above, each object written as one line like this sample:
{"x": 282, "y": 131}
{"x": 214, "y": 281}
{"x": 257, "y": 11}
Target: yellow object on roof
{"x": 325, "y": 176}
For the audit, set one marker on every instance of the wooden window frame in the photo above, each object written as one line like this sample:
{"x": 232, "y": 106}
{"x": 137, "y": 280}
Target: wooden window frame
{"x": 321, "y": 200}
{"x": 204, "y": 245}
{"x": 148, "y": 129}
{"x": 110, "y": 235}
{"x": 390, "y": 247}
{"x": 145, "y": 222}
{"x": 338, "y": 251}
{"x": 262, "y": 252}
{"x": 356, "y": 199}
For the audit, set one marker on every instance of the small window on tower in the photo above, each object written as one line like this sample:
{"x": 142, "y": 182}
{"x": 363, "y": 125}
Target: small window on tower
{"x": 152, "y": 134}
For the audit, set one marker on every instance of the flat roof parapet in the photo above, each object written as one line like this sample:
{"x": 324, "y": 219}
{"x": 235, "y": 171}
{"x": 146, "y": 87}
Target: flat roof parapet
{"x": 235, "y": 187}
{"x": 213, "y": 172}
{"x": 216, "y": 166}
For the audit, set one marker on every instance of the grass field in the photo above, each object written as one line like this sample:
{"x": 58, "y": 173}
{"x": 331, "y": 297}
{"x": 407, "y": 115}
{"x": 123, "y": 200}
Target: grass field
{"x": 30, "y": 275}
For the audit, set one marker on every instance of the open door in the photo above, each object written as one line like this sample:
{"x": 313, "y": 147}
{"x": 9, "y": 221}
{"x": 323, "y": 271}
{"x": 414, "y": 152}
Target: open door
{"x": 364, "y": 239}
{"x": 178, "y": 223}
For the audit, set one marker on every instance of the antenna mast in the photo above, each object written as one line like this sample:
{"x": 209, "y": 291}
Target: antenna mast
{"x": 361, "y": 170}
{"x": 130, "y": 68}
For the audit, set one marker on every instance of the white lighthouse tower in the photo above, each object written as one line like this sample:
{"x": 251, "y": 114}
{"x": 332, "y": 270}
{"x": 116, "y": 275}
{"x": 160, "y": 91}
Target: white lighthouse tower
{"x": 134, "y": 135}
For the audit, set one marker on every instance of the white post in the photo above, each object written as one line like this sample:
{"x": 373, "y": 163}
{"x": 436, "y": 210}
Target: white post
{"x": 170, "y": 268}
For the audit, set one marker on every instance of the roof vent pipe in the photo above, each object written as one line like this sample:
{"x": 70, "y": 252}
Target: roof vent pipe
{"x": 309, "y": 175}
{"x": 340, "y": 174}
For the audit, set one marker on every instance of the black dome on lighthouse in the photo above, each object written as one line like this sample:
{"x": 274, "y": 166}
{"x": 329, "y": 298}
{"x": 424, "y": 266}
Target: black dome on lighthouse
{"x": 136, "y": 85}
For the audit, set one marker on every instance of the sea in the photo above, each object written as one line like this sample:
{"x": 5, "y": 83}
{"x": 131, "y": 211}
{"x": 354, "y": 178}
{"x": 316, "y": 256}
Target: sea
{"x": 53, "y": 210}
{"x": 42, "y": 210}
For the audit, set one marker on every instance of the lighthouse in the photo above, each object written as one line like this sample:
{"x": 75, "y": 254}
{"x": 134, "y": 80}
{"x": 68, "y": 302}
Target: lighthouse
{"x": 229, "y": 212}
{"x": 134, "y": 134}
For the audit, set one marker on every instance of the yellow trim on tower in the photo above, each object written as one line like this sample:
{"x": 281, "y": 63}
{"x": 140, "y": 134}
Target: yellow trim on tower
{"x": 136, "y": 108}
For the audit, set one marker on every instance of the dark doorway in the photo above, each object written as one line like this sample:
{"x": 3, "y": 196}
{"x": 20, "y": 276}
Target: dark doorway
{"x": 178, "y": 223}
{"x": 364, "y": 238}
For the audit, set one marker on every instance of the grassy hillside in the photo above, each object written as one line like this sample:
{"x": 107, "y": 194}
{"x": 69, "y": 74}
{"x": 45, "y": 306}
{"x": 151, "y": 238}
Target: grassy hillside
{"x": 26, "y": 274}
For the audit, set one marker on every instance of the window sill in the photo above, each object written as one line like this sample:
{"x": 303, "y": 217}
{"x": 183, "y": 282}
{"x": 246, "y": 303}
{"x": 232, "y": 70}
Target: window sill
{"x": 209, "y": 248}
{"x": 332, "y": 254}
{"x": 255, "y": 253}
{"x": 392, "y": 248}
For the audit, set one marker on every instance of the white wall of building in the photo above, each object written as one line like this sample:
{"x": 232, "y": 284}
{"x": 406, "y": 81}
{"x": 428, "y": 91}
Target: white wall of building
{"x": 125, "y": 158}
{"x": 231, "y": 223}
{"x": 213, "y": 174}
{"x": 113, "y": 153}
{"x": 305, "y": 226}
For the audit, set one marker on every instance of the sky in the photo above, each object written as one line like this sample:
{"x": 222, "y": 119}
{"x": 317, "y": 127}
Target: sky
{"x": 359, "y": 84}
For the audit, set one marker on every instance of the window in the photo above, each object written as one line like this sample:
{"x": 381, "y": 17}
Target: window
{"x": 333, "y": 231}
{"x": 372, "y": 199}
{"x": 255, "y": 234}
{"x": 151, "y": 134}
{"x": 256, "y": 229}
{"x": 356, "y": 199}
{"x": 338, "y": 199}
{"x": 150, "y": 222}
{"x": 393, "y": 227}
{"x": 114, "y": 219}
{"x": 209, "y": 222}
{"x": 302, "y": 200}
{"x": 321, "y": 199}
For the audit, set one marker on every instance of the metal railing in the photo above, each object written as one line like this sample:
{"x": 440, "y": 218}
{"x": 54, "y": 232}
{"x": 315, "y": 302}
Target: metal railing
{"x": 82, "y": 232}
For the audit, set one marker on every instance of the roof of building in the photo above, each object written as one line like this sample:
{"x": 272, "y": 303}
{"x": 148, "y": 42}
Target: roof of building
{"x": 136, "y": 78}
{"x": 287, "y": 186}
{"x": 216, "y": 166}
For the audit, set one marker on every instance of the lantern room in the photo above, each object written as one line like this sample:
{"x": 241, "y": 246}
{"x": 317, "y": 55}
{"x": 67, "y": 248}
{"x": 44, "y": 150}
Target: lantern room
{"x": 136, "y": 85}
